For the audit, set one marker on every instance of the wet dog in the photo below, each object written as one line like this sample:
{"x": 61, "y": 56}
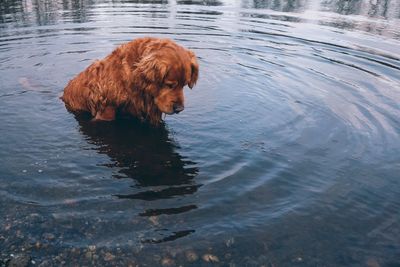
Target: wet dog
{"x": 143, "y": 78}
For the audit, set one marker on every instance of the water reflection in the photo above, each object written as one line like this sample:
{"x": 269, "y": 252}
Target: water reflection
{"x": 48, "y": 12}
{"x": 144, "y": 154}
{"x": 200, "y": 2}
{"x": 279, "y": 5}
{"x": 44, "y": 12}
{"x": 371, "y": 8}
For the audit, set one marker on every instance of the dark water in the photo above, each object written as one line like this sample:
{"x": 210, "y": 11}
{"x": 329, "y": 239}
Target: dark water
{"x": 288, "y": 153}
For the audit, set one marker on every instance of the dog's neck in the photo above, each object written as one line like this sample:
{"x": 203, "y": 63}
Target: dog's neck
{"x": 141, "y": 103}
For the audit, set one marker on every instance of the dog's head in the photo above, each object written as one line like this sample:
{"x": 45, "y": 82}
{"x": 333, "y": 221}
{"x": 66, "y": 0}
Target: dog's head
{"x": 167, "y": 69}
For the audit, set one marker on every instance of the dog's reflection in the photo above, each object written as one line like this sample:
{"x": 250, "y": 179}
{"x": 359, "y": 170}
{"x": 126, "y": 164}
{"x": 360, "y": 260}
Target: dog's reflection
{"x": 143, "y": 153}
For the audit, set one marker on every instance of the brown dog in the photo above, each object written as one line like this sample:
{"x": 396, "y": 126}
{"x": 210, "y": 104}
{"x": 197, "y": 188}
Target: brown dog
{"x": 144, "y": 78}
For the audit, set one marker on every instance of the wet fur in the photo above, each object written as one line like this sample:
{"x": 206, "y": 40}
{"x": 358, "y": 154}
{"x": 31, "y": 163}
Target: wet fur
{"x": 131, "y": 81}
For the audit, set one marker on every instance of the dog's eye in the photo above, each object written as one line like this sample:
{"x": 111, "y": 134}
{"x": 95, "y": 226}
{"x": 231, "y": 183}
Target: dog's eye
{"x": 170, "y": 85}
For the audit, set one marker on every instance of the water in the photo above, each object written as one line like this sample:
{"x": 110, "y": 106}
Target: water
{"x": 288, "y": 152}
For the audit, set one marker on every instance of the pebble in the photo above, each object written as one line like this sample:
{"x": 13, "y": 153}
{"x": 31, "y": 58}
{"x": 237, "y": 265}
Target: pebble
{"x": 210, "y": 258}
{"x": 191, "y": 256}
{"x": 230, "y": 242}
{"x": 69, "y": 201}
{"x": 298, "y": 259}
{"x": 109, "y": 257}
{"x": 371, "y": 262}
{"x": 20, "y": 260}
{"x": 88, "y": 255}
{"x": 167, "y": 262}
{"x": 45, "y": 263}
{"x": 48, "y": 236}
{"x": 154, "y": 220}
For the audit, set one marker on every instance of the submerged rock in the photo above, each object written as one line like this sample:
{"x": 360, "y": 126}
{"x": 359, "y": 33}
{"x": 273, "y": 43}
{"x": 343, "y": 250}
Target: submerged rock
{"x": 167, "y": 262}
{"x": 21, "y": 260}
{"x": 88, "y": 255}
{"x": 210, "y": 258}
{"x": 230, "y": 242}
{"x": 109, "y": 257}
{"x": 49, "y": 236}
{"x": 191, "y": 256}
{"x": 371, "y": 262}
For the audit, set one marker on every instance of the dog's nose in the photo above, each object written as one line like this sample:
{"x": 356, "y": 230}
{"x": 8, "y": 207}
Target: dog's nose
{"x": 178, "y": 108}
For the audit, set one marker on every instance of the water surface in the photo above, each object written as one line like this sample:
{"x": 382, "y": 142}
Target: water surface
{"x": 288, "y": 151}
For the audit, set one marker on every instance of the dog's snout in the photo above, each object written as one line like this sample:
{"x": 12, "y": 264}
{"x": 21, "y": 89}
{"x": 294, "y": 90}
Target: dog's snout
{"x": 178, "y": 108}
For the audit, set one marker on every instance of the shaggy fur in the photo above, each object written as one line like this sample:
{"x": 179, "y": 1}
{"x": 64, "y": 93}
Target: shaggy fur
{"x": 143, "y": 78}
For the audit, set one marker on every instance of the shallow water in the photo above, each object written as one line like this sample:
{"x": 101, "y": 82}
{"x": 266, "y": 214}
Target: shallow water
{"x": 288, "y": 151}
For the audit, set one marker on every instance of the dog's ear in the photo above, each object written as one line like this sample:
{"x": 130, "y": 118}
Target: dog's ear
{"x": 152, "y": 68}
{"x": 194, "y": 66}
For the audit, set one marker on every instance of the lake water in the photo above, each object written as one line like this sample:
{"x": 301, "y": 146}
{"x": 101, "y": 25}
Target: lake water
{"x": 287, "y": 154}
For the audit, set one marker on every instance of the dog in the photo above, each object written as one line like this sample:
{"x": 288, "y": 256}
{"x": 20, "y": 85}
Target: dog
{"x": 143, "y": 78}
